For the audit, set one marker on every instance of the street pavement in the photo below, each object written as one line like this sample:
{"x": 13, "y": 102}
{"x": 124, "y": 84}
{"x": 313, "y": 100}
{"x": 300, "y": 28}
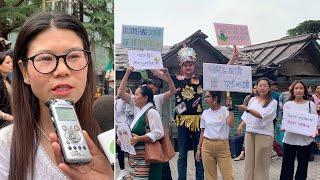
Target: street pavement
{"x": 238, "y": 168}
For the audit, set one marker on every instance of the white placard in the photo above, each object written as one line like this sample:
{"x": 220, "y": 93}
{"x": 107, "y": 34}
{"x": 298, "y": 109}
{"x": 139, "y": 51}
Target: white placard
{"x": 124, "y": 136}
{"x": 145, "y": 59}
{"x": 108, "y": 145}
{"x": 218, "y": 77}
{"x": 299, "y": 122}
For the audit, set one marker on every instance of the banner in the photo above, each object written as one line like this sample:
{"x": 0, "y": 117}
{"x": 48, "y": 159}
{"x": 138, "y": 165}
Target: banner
{"x": 145, "y": 59}
{"x": 231, "y": 34}
{"x": 299, "y": 122}
{"x": 142, "y": 37}
{"x": 218, "y": 77}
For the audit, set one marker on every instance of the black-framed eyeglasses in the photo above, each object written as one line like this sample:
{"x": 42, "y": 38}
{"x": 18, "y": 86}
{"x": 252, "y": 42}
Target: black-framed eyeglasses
{"x": 46, "y": 63}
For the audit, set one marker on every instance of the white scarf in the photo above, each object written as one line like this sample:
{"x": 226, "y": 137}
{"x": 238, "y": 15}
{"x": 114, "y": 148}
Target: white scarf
{"x": 140, "y": 113}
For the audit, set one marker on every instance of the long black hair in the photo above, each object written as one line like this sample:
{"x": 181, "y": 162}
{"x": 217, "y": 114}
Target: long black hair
{"x": 26, "y": 107}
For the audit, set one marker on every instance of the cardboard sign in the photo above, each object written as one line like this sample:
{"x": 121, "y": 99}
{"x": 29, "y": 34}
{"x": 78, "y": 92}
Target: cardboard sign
{"x": 218, "y": 77}
{"x": 299, "y": 122}
{"x": 145, "y": 59}
{"x": 124, "y": 136}
{"x": 231, "y": 34}
{"x": 142, "y": 37}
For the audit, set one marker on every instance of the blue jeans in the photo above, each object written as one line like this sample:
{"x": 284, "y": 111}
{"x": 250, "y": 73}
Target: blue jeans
{"x": 186, "y": 136}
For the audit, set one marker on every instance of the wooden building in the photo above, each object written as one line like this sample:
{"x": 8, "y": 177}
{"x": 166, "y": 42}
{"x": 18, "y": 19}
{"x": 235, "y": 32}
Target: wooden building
{"x": 286, "y": 59}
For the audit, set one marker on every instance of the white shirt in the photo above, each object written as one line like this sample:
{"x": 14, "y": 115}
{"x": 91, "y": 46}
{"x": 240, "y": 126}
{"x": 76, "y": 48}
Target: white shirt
{"x": 155, "y": 123}
{"x": 124, "y": 112}
{"x": 293, "y": 138}
{"x": 261, "y": 126}
{"x": 215, "y": 123}
{"x": 45, "y": 169}
{"x": 158, "y": 101}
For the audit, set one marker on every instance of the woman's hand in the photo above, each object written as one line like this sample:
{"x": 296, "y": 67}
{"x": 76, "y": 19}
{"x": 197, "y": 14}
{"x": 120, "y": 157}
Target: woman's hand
{"x": 134, "y": 139}
{"x": 239, "y": 130}
{"x": 198, "y": 155}
{"x": 242, "y": 107}
{"x": 98, "y": 168}
{"x": 129, "y": 69}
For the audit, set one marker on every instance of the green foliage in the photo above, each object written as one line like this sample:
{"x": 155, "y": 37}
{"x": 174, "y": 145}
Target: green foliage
{"x": 101, "y": 22}
{"x": 309, "y": 26}
{"x": 13, "y": 14}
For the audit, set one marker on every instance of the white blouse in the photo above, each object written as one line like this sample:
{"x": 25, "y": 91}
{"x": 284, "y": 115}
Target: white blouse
{"x": 293, "y": 138}
{"x": 214, "y": 123}
{"x": 155, "y": 123}
{"x": 265, "y": 124}
{"x": 45, "y": 169}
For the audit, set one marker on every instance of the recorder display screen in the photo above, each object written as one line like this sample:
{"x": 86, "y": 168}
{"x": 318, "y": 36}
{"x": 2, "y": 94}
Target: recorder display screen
{"x": 65, "y": 114}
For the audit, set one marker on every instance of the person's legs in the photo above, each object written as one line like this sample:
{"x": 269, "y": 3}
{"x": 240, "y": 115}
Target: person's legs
{"x": 303, "y": 154}
{"x": 199, "y": 166}
{"x": 249, "y": 160}
{"x": 289, "y": 156}
{"x": 120, "y": 155}
{"x": 263, "y": 149}
{"x": 224, "y": 160}
{"x": 166, "y": 172}
{"x": 209, "y": 160}
{"x": 183, "y": 137}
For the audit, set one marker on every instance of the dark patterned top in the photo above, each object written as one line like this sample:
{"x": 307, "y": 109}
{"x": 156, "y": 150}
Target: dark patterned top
{"x": 189, "y": 92}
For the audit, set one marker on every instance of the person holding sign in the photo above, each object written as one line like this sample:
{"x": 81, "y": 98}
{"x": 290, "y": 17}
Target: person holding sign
{"x": 159, "y": 99}
{"x": 297, "y": 145}
{"x": 213, "y": 144}
{"x": 138, "y": 167}
{"x": 258, "y": 118}
{"x": 189, "y": 108}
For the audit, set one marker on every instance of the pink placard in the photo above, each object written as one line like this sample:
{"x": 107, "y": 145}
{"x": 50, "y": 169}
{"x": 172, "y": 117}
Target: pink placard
{"x": 232, "y": 34}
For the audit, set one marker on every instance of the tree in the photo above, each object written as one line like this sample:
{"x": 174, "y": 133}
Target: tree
{"x": 309, "y": 26}
{"x": 13, "y": 13}
{"x": 101, "y": 21}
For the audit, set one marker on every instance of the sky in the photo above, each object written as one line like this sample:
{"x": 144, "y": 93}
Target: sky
{"x": 267, "y": 20}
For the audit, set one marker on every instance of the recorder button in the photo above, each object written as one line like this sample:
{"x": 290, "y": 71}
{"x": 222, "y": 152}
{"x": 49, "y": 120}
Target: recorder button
{"x": 84, "y": 148}
{"x": 76, "y": 127}
{"x": 73, "y": 136}
{"x": 69, "y": 147}
{"x": 79, "y": 147}
{"x": 64, "y": 127}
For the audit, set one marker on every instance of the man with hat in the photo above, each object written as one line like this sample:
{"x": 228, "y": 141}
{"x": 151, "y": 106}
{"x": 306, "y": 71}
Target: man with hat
{"x": 188, "y": 108}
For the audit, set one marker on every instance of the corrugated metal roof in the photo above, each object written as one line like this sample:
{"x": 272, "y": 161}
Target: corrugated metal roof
{"x": 278, "y": 51}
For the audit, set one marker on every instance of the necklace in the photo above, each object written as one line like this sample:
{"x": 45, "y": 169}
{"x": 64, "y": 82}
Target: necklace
{"x": 43, "y": 133}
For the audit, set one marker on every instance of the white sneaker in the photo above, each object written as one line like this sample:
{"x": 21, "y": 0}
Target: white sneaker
{"x": 122, "y": 174}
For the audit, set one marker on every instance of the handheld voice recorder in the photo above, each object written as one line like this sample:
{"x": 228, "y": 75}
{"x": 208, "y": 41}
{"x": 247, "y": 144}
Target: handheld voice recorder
{"x": 73, "y": 145}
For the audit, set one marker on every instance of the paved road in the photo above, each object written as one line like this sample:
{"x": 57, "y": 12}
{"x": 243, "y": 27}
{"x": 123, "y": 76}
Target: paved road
{"x": 238, "y": 168}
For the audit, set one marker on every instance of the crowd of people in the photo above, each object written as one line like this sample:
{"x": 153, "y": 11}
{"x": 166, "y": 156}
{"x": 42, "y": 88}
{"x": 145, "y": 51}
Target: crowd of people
{"x": 209, "y": 130}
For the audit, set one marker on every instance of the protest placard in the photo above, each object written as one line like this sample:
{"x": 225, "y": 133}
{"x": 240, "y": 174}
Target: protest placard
{"x": 218, "y": 77}
{"x": 299, "y": 122}
{"x": 145, "y": 59}
{"x": 142, "y": 37}
{"x": 124, "y": 136}
{"x": 231, "y": 34}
